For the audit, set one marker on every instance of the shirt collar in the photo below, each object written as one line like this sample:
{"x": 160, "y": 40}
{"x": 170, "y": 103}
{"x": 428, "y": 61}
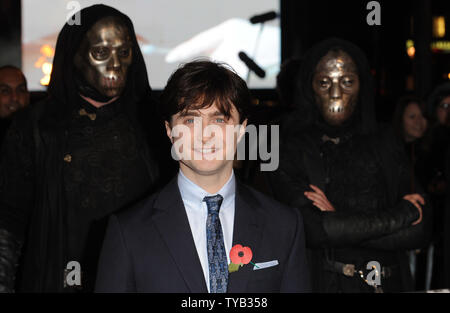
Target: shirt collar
{"x": 193, "y": 193}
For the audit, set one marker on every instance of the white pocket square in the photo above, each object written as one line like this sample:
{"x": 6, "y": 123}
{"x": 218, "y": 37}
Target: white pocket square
{"x": 263, "y": 265}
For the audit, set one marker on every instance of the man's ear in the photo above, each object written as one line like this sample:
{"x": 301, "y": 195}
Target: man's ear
{"x": 242, "y": 130}
{"x": 168, "y": 131}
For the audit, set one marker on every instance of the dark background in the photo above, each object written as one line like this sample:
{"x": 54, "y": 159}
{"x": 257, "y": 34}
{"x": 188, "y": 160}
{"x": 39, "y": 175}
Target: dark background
{"x": 306, "y": 22}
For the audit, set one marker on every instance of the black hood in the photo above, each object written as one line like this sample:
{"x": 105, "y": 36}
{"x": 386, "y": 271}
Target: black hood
{"x": 307, "y": 112}
{"x": 63, "y": 88}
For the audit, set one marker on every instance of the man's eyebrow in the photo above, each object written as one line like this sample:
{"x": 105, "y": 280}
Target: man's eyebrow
{"x": 216, "y": 113}
{"x": 2, "y": 85}
{"x": 189, "y": 113}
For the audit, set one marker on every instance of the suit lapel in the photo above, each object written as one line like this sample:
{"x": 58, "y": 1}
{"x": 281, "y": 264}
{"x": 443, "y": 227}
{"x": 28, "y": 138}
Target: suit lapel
{"x": 171, "y": 221}
{"x": 247, "y": 231}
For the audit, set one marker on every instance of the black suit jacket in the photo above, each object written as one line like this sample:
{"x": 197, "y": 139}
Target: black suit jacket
{"x": 150, "y": 247}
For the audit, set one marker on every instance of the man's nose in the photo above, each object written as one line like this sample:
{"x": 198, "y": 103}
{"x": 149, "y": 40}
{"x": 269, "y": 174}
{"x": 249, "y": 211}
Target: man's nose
{"x": 206, "y": 135}
{"x": 335, "y": 91}
{"x": 114, "y": 63}
{"x": 14, "y": 96}
{"x": 199, "y": 128}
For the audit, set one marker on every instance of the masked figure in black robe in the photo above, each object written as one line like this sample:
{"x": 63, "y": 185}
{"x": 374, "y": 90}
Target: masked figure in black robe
{"x": 351, "y": 184}
{"x": 71, "y": 160}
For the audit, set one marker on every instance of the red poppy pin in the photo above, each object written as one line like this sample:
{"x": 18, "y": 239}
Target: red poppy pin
{"x": 240, "y": 256}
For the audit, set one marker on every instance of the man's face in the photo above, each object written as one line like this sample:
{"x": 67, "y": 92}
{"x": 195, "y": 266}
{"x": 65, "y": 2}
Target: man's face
{"x": 14, "y": 94}
{"x": 206, "y": 139}
{"x": 336, "y": 86}
{"x": 105, "y": 56}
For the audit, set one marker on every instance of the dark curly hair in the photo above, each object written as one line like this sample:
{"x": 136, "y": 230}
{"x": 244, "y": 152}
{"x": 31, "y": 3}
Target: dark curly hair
{"x": 202, "y": 83}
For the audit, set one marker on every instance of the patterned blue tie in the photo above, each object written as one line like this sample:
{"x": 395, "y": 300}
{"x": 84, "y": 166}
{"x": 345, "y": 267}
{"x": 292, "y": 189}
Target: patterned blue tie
{"x": 217, "y": 256}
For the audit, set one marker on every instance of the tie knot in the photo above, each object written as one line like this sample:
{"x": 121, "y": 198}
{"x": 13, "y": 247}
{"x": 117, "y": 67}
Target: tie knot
{"x": 213, "y": 203}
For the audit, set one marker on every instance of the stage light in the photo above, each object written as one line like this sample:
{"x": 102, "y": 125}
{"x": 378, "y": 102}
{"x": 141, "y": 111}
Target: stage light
{"x": 411, "y": 51}
{"x": 439, "y": 26}
{"x": 47, "y": 70}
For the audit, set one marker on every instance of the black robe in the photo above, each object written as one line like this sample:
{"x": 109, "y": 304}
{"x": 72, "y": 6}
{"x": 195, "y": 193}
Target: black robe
{"x": 66, "y": 165}
{"x": 371, "y": 222}
{"x": 364, "y": 175}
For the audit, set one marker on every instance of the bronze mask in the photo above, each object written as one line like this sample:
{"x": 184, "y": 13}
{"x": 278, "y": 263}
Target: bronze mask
{"x": 336, "y": 86}
{"x": 105, "y": 55}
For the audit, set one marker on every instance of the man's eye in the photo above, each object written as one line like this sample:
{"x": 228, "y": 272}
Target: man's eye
{"x": 323, "y": 83}
{"x": 101, "y": 52}
{"x": 4, "y": 91}
{"x": 347, "y": 82}
{"x": 123, "y": 53}
{"x": 220, "y": 120}
{"x": 189, "y": 121}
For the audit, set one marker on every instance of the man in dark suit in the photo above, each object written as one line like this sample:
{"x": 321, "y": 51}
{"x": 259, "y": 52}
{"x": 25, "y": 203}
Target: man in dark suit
{"x": 179, "y": 239}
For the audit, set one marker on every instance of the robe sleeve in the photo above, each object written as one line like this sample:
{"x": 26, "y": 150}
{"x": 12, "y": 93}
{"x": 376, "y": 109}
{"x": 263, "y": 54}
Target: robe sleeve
{"x": 17, "y": 176}
{"x": 334, "y": 229}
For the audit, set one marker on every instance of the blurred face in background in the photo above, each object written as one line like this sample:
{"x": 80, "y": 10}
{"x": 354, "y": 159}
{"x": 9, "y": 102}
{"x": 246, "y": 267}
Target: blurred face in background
{"x": 443, "y": 111}
{"x": 14, "y": 94}
{"x": 414, "y": 123}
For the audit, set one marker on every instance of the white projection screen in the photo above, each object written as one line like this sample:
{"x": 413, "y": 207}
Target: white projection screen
{"x": 169, "y": 32}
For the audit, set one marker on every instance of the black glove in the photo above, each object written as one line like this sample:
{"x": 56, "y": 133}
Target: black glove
{"x": 353, "y": 228}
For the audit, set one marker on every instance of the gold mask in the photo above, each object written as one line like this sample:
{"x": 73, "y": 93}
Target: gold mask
{"x": 105, "y": 55}
{"x": 336, "y": 86}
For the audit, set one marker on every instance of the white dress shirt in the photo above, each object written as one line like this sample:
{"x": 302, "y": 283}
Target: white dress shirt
{"x": 197, "y": 213}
